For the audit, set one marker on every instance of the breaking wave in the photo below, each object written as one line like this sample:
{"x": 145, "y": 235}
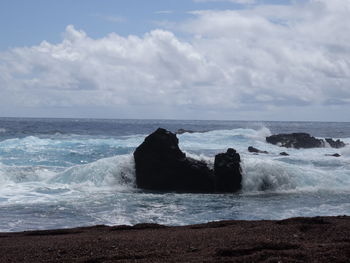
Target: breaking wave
{"x": 60, "y": 179}
{"x": 83, "y": 162}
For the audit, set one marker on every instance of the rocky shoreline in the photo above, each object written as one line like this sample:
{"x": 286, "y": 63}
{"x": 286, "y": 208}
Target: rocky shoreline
{"x": 160, "y": 164}
{"x": 319, "y": 239}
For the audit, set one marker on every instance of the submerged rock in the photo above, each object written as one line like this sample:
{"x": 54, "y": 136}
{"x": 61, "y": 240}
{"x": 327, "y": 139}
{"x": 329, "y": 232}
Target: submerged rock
{"x": 255, "y": 150}
{"x": 161, "y": 165}
{"x": 284, "y": 154}
{"x": 334, "y": 155}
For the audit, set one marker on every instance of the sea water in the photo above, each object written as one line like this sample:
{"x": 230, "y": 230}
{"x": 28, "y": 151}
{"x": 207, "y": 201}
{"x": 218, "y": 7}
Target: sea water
{"x": 59, "y": 173}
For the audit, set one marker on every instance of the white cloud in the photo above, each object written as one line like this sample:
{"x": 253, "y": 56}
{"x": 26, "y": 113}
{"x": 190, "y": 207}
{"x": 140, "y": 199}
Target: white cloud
{"x": 255, "y": 62}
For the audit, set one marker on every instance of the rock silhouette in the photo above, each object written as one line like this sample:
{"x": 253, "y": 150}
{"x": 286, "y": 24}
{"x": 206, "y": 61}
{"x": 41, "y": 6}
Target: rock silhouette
{"x": 335, "y": 144}
{"x": 160, "y": 165}
{"x": 302, "y": 140}
{"x": 225, "y": 166}
{"x": 334, "y": 155}
{"x": 252, "y": 149}
{"x": 284, "y": 154}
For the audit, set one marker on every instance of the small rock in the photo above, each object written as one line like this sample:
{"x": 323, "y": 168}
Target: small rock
{"x": 334, "y": 155}
{"x": 255, "y": 150}
{"x": 335, "y": 144}
{"x": 284, "y": 154}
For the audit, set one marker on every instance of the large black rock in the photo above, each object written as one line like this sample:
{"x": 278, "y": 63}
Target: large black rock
{"x": 161, "y": 165}
{"x": 295, "y": 140}
{"x": 227, "y": 169}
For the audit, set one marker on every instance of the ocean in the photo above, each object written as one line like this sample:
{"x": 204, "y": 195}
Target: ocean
{"x": 62, "y": 173}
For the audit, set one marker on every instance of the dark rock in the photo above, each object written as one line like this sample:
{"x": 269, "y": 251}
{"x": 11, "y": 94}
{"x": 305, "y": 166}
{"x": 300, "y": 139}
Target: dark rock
{"x": 335, "y": 144}
{"x": 334, "y": 155}
{"x": 295, "y": 140}
{"x": 255, "y": 150}
{"x": 227, "y": 169}
{"x": 302, "y": 140}
{"x": 284, "y": 154}
{"x": 161, "y": 165}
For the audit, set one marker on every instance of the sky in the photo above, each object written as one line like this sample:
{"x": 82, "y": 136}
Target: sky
{"x": 176, "y": 59}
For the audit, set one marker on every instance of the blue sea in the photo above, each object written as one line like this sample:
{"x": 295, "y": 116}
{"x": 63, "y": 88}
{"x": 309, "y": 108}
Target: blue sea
{"x": 60, "y": 173}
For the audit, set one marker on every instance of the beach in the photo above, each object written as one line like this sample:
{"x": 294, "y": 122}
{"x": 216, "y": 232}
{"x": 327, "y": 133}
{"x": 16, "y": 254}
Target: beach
{"x": 318, "y": 239}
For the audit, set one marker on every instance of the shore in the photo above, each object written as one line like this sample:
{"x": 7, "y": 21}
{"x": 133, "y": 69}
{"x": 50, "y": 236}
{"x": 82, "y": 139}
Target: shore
{"x": 319, "y": 239}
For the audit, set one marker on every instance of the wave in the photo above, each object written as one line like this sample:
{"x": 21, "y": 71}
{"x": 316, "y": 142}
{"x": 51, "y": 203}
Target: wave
{"x": 115, "y": 171}
{"x": 35, "y": 142}
{"x": 281, "y": 175}
{"x": 300, "y": 173}
{"x": 26, "y": 184}
{"x": 216, "y": 140}
{"x": 223, "y": 139}
{"x": 303, "y": 170}
{"x": 23, "y": 174}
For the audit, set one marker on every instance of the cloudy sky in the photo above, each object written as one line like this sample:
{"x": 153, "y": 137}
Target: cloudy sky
{"x": 176, "y": 59}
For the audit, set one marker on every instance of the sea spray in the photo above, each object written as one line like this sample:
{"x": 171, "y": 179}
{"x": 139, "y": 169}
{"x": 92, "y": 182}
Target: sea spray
{"x": 116, "y": 172}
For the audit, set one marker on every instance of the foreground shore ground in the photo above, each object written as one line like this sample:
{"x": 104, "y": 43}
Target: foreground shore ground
{"x": 320, "y": 239}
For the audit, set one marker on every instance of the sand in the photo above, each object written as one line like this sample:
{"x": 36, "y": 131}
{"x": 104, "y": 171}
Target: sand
{"x": 320, "y": 239}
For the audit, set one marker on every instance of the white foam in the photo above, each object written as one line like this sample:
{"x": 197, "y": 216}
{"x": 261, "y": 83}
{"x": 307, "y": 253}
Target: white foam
{"x": 262, "y": 175}
{"x": 201, "y": 157}
{"x": 115, "y": 171}
{"x": 35, "y": 185}
{"x": 33, "y": 143}
{"x": 272, "y": 174}
{"x": 239, "y": 139}
{"x": 260, "y": 134}
{"x": 303, "y": 170}
{"x": 345, "y": 151}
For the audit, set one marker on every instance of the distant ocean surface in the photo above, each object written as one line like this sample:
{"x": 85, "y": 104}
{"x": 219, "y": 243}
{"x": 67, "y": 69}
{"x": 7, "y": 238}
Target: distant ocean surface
{"x": 59, "y": 173}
